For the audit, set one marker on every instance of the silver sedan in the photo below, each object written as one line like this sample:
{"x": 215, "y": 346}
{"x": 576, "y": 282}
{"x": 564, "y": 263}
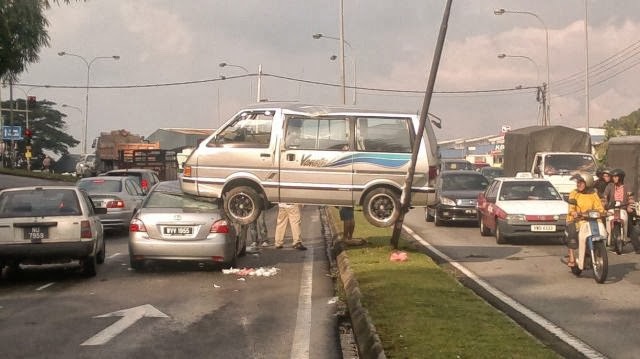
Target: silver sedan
{"x": 50, "y": 224}
{"x": 121, "y": 196}
{"x": 171, "y": 225}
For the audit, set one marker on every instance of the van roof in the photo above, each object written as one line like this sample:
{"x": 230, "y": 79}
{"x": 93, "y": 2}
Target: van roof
{"x": 320, "y": 110}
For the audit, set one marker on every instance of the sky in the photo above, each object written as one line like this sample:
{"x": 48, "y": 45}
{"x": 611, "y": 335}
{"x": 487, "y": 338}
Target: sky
{"x": 168, "y": 74}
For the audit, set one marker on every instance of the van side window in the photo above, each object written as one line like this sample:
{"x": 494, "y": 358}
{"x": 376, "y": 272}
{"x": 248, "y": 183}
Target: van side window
{"x": 383, "y": 135}
{"x": 249, "y": 130}
{"x": 323, "y": 134}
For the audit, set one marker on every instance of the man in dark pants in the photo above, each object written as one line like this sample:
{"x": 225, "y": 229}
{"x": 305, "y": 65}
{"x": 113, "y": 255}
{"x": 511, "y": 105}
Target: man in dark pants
{"x": 349, "y": 224}
{"x": 634, "y": 227}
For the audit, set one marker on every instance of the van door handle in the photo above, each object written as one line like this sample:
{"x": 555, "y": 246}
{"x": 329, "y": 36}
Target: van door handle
{"x": 291, "y": 157}
{"x": 265, "y": 155}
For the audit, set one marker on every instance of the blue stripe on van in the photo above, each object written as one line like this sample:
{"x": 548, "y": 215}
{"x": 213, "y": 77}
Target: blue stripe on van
{"x": 389, "y": 160}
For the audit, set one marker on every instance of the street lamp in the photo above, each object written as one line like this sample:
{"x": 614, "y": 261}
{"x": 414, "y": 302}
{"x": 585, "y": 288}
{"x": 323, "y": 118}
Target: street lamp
{"x": 343, "y": 42}
{"x": 546, "y": 31}
{"x": 502, "y": 56}
{"x": 86, "y": 110}
{"x": 79, "y": 110}
{"x": 225, "y": 64}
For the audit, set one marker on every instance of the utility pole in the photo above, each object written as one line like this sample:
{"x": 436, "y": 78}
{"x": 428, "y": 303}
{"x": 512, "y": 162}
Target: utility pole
{"x": 405, "y": 199}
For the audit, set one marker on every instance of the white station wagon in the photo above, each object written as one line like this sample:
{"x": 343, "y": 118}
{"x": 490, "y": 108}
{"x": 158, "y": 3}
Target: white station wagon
{"x": 293, "y": 153}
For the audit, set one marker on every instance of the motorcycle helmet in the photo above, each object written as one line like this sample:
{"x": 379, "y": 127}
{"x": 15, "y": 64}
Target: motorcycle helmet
{"x": 585, "y": 177}
{"x": 618, "y": 172}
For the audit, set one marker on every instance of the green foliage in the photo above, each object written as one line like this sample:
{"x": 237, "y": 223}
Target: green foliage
{"x": 47, "y": 124}
{"x": 625, "y": 125}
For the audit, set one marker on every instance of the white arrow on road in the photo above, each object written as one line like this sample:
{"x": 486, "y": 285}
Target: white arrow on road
{"x": 129, "y": 317}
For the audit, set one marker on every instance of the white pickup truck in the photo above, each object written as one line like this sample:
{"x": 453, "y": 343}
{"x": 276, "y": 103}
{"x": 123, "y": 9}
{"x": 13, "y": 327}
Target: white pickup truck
{"x": 558, "y": 167}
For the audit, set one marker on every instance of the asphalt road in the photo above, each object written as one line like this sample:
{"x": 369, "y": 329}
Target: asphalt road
{"x": 604, "y": 316}
{"x": 176, "y": 310}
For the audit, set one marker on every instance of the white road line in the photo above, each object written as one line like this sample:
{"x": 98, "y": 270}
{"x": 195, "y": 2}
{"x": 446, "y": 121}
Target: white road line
{"x": 574, "y": 342}
{"x": 113, "y": 255}
{"x": 45, "y": 286}
{"x": 302, "y": 332}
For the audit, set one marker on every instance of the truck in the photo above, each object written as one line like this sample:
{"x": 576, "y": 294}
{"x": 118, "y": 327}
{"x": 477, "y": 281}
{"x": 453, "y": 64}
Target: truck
{"x": 110, "y": 144}
{"x": 551, "y": 152}
{"x": 624, "y": 153}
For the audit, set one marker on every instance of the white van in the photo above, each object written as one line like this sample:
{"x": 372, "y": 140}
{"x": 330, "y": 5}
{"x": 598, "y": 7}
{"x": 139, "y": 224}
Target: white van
{"x": 319, "y": 155}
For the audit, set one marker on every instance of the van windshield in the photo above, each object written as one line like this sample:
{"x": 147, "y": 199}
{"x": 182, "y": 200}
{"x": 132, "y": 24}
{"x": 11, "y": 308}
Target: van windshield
{"x": 249, "y": 129}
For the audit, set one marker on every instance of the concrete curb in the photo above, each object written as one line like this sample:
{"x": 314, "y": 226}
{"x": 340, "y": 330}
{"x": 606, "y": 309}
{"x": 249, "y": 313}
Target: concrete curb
{"x": 367, "y": 339}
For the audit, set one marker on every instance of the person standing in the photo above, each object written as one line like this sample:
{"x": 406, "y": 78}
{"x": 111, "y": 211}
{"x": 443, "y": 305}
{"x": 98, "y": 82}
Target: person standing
{"x": 289, "y": 213}
{"x": 46, "y": 164}
{"x": 349, "y": 224}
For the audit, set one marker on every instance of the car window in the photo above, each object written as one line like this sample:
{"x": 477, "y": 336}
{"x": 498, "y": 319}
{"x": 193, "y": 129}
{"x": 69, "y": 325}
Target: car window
{"x": 89, "y": 203}
{"x": 317, "y": 134}
{"x": 136, "y": 188}
{"x": 384, "y": 135}
{"x": 160, "y": 199}
{"x": 100, "y": 186}
{"x": 464, "y": 182}
{"x": 528, "y": 190}
{"x": 492, "y": 191}
{"x": 39, "y": 202}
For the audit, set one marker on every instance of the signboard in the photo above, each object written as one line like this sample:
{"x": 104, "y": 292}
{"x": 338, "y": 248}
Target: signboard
{"x": 12, "y": 132}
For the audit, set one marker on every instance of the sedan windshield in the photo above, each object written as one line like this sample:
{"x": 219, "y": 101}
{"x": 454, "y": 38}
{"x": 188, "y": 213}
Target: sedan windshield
{"x": 464, "y": 182}
{"x": 528, "y": 190}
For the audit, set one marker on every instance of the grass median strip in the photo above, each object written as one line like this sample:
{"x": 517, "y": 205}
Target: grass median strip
{"x": 422, "y": 311}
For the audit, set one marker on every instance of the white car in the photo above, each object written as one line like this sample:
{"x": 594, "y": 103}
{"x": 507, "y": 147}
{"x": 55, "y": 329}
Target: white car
{"x": 50, "y": 224}
{"x": 521, "y": 208}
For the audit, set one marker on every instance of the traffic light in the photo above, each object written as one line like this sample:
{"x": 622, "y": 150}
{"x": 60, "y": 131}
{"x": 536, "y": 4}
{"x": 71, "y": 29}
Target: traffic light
{"x": 27, "y": 137}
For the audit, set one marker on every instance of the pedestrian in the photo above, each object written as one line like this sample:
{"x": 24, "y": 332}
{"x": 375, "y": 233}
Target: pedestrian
{"x": 46, "y": 164}
{"x": 289, "y": 213}
{"x": 258, "y": 232}
{"x": 348, "y": 223}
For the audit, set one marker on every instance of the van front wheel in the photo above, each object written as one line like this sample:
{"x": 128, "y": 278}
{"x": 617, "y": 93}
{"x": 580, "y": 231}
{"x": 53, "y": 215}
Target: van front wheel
{"x": 242, "y": 204}
{"x": 381, "y": 207}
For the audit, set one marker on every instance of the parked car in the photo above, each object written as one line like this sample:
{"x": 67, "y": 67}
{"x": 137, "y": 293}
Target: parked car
{"x": 491, "y": 172}
{"x": 456, "y": 164}
{"x": 121, "y": 196}
{"x": 456, "y": 195}
{"x": 50, "y": 224}
{"x": 146, "y": 178}
{"x": 171, "y": 225}
{"x": 521, "y": 207}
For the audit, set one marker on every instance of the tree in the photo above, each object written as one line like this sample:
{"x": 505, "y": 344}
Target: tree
{"x": 23, "y": 31}
{"x": 625, "y": 125}
{"x": 48, "y": 126}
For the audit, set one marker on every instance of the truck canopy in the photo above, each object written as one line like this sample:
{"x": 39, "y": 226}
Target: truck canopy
{"x": 624, "y": 152}
{"x": 521, "y": 145}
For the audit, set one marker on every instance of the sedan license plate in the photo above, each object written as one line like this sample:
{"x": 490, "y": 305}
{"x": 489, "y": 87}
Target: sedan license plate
{"x": 543, "y": 228}
{"x": 36, "y": 233}
{"x": 178, "y": 231}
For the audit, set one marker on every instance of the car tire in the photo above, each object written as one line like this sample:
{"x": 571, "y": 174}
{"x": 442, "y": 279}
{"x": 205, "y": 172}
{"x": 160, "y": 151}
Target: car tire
{"x": 102, "y": 254}
{"x": 233, "y": 262}
{"x": 427, "y": 215}
{"x": 89, "y": 266}
{"x": 500, "y": 239}
{"x": 436, "y": 219}
{"x": 484, "y": 230}
{"x": 381, "y": 207}
{"x": 242, "y": 204}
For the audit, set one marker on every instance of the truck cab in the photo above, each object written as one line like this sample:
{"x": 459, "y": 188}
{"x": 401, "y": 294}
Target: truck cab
{"x": 558, "y": 167}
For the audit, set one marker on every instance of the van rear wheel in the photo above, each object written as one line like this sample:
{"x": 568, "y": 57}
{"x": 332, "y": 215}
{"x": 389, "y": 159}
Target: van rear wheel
{"x": 242, "y": 204}
{"x": 381, "y": 207}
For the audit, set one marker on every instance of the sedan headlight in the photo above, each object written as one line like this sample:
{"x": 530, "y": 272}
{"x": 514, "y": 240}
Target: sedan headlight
{"x": 447, "y": 201}
{"x": 516, "y": 218}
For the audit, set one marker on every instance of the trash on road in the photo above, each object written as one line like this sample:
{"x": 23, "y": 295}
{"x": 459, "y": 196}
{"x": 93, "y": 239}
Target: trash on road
{"x": 257, "y": 272}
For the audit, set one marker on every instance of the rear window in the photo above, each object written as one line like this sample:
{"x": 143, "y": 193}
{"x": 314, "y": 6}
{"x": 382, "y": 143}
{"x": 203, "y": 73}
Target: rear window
{"x": 39, "y": 202}
{"x": 100, "y": 186}
{"x": 159, "y": 199}
{"x": 464, "y": 182}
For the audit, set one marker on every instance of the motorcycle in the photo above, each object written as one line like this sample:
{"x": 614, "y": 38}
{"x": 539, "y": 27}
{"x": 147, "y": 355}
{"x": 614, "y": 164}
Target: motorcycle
{"x": 618, "y": 238}
{"x": 592, "y": 249}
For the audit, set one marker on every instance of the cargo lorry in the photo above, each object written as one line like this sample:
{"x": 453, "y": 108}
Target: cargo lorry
{"x": 551, "y": 152}
{"x": 624, "y": 153}
{"x": 110, "y": 145}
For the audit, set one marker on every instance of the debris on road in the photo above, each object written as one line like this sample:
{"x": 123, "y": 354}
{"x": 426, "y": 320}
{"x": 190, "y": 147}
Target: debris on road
{"x": 257, "y": 272}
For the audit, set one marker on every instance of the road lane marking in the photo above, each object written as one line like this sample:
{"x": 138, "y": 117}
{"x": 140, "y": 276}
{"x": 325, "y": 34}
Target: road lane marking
{"x": 113, "y": 255}
{"x": 129, "y": 317}
{"x": 302, "y": 331}
{"x": 45, "y": 286}
{"x": 549, "y": 326}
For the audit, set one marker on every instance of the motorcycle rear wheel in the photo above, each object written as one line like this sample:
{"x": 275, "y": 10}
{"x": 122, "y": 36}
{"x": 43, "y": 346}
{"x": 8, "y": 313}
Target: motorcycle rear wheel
{"x": 600, "y": 262}
{"x": 617, "y": 238}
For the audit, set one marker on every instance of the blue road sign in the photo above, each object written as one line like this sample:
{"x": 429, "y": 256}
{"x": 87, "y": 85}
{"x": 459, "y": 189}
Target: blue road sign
{"x": 12, "y": 132}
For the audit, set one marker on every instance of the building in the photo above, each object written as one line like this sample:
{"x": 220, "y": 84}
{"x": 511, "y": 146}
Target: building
{"x": 176, "y": 139}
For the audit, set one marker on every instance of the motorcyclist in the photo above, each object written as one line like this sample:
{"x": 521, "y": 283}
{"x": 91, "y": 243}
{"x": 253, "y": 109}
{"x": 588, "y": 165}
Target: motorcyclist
{"x": 586, "y": 199}
{"x": 604, "y": 178}
{"x": 616, "y": 191}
